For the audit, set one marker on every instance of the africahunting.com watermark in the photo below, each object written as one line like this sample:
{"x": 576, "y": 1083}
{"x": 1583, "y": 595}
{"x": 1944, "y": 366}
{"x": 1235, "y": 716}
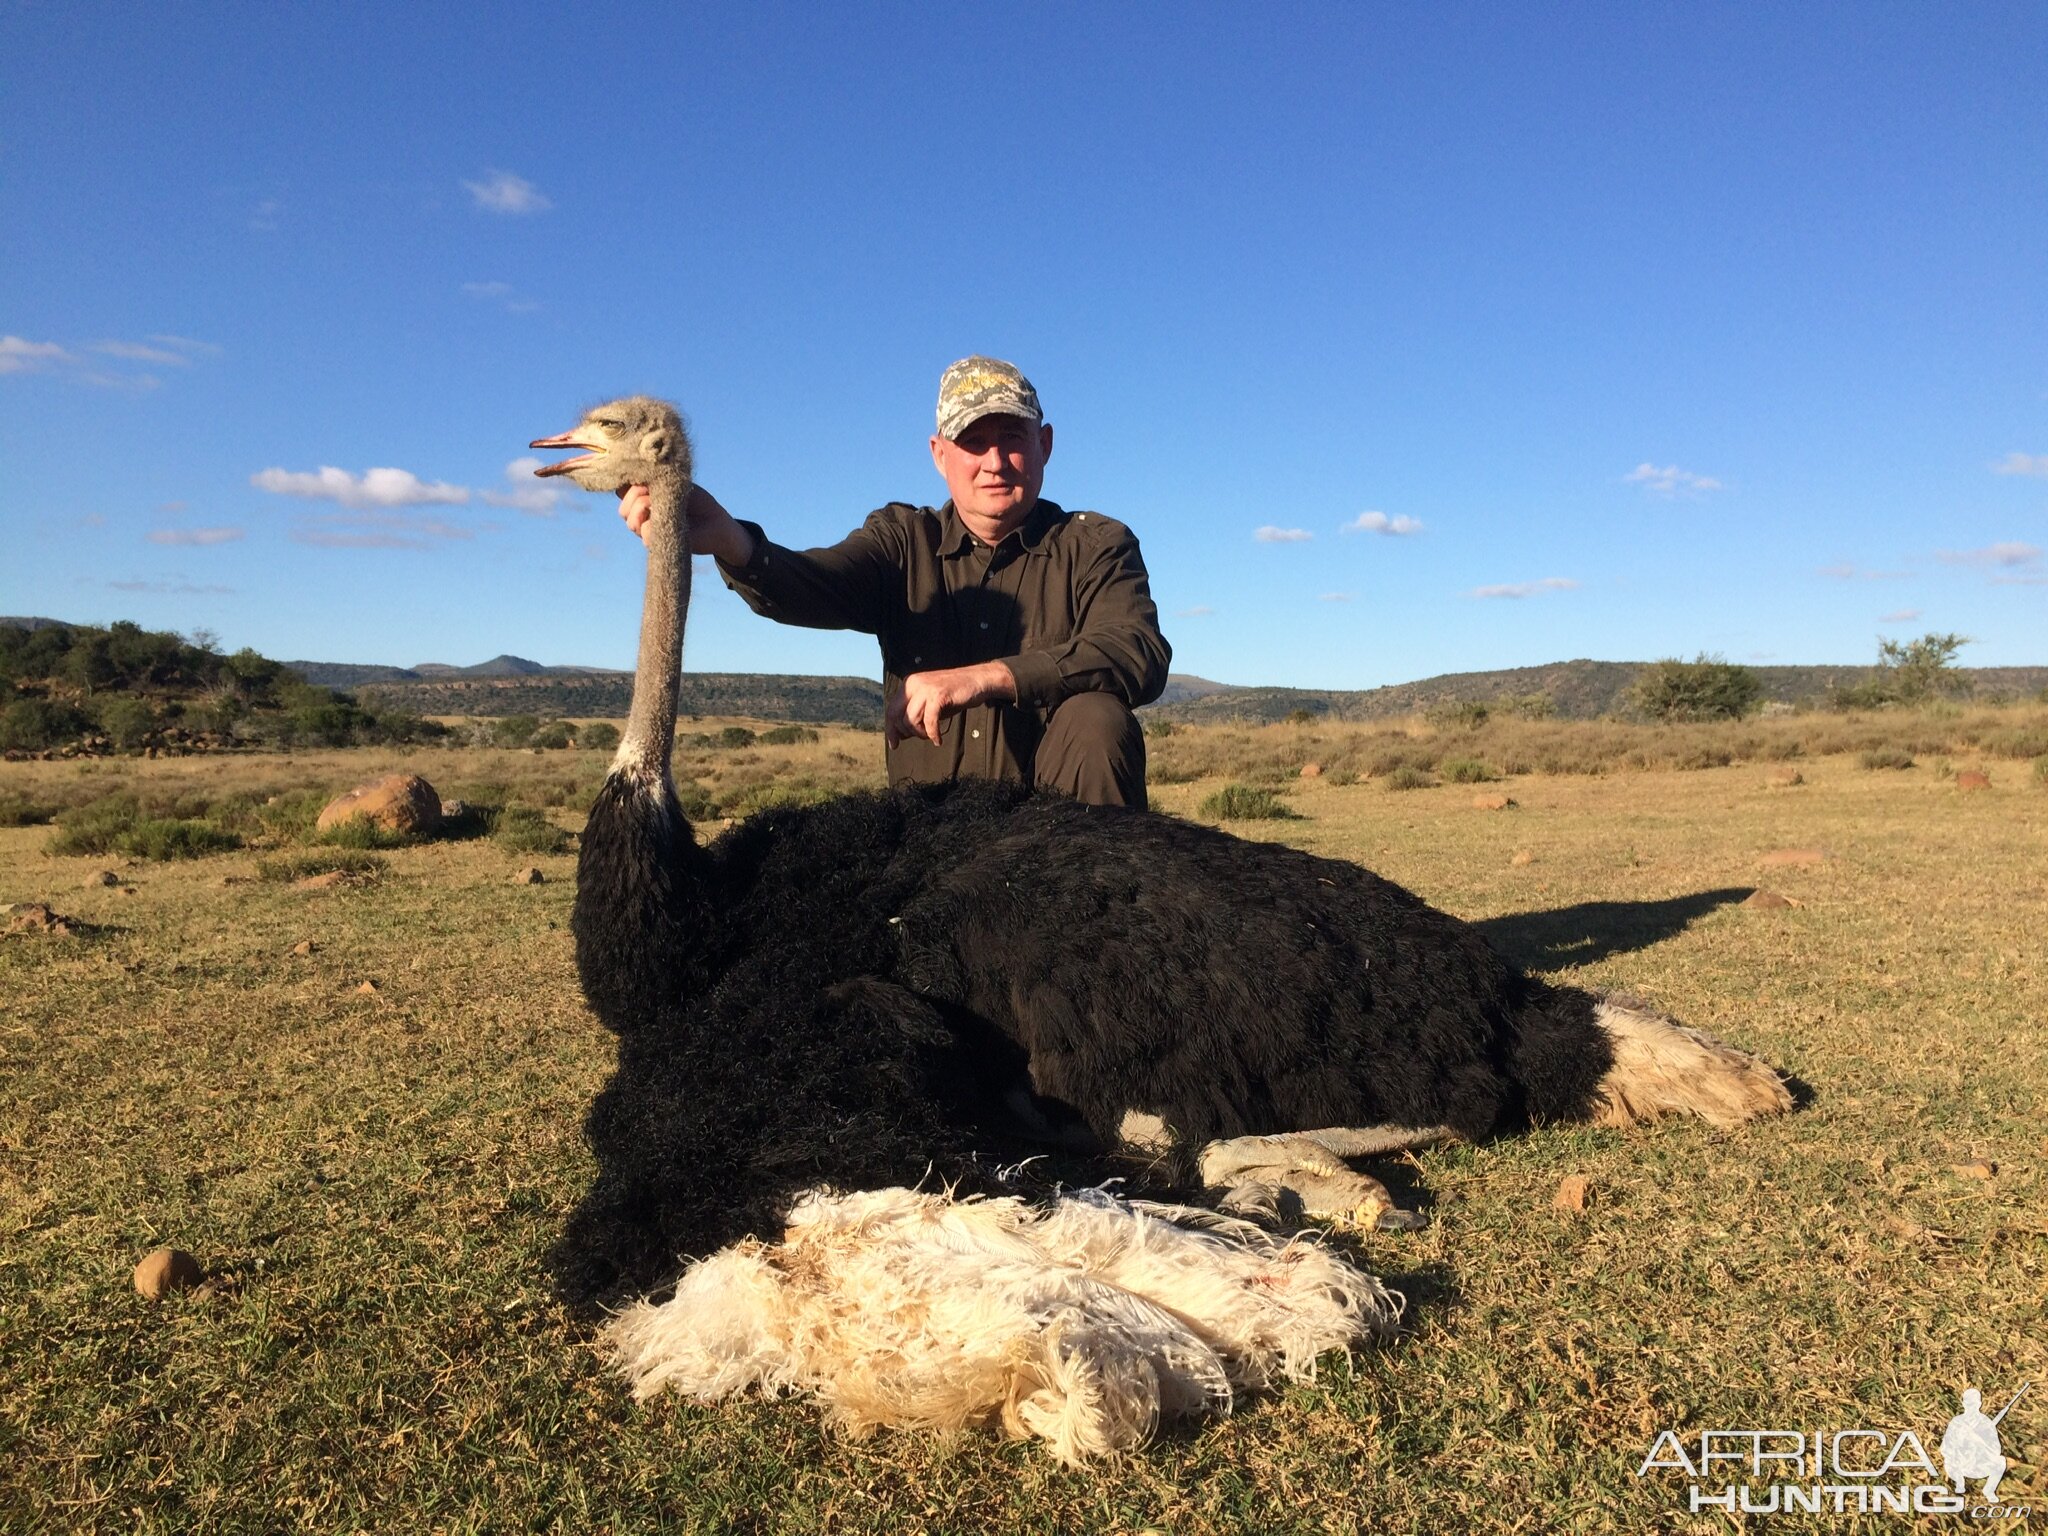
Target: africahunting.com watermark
{"x": 1842, "y": 1471}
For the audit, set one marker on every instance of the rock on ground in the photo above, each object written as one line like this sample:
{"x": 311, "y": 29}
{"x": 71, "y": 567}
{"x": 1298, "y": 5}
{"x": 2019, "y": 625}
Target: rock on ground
{"x": 164, "y": 1271}
{"x": 399, "y": 802}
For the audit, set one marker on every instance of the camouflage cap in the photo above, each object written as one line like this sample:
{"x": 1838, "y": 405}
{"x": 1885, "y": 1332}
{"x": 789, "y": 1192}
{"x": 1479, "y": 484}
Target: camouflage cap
{"x": 976, "y": 387}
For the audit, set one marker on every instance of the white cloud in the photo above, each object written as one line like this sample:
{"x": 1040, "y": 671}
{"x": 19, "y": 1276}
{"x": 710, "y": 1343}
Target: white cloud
{"x": 374, "y": 488}
{"x": 501, "y": 293}
{"x": 136, "y": 352}
{"x": 19, "y": 355}
{"x": 1271, "y": 535}
{"x": 1848, "y": 570}
{"x": 502, "y": 192}
{"x": 1527, "y": 588}
{"x": 536, "y": 498}
{"x": 2007, "y": 555}
{"x": 1670, "y": 480}
{"x": 1899, "y": 616}
{"x": 378, "y": 530}
{"x": 1379, "y": 522}
{"x": 2022, "y": 464}
{"x": 196, "y": 535}
{"x": 1199, "y": 611}
{"x": 171, "y": 588}
{"x": 1334, "y": 597}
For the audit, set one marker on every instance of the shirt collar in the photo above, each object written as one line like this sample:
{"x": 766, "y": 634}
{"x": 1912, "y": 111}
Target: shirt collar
{"x": 955, "y": 537}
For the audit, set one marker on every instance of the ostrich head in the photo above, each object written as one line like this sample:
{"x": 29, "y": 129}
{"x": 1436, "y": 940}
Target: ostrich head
{"x": 634, "y": 441}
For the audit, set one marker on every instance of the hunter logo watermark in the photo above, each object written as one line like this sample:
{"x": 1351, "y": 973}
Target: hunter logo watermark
{"x": 1843, "y": 1471}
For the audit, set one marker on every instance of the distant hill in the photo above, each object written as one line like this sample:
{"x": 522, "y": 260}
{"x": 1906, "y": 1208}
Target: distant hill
{"x": 1577, "y": 690}
{"x": 11, "y": 621}
{"x": 352, "y": 674}
{"x": 587, "y": 693}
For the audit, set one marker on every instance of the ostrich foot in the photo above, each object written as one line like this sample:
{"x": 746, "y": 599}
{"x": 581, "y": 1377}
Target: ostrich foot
{"x": 1305, "y": 1170}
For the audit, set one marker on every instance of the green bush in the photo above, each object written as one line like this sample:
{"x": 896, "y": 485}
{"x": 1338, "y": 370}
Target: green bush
{"x": 1409, "y": 777}
{"x": 2041, "y": 771}
{"x": 1886, "y": 757}
{"x": 523, "y": 829}
{"x": 1465, "y": 770}
{"x": 1301, "y": 717}
{"x": 166, "y": 838}
{"x": 602, "y": 736}
{"x": 788, "y": 736}
{"x": 1703, "y": 757}
{"x": 1246, "y": 802}
{"x": 361, "y": 832}
{"x": 1705, "y": 688}
{"x": 128, "y": 720}
{"x": 555, "y": 735}
{"x": 303, "y": 866}
{"x": 292, "y": 814}
{"x": 735, "y": 736}
{"x": 1457, "y": 714}
{"x": 20, "y": 811}
{"x": 514, "y": 730}
{"x": 1158, "y": 728}
{"x": 30, "y": 725}
{"x": 96, "y": 826}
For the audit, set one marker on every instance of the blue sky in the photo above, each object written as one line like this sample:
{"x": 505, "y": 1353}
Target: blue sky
{"x": 1408, "y": 339}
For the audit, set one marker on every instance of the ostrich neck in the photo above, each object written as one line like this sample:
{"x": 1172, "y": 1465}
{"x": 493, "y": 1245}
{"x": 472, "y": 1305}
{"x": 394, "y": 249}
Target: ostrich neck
{"x": 651, "y": 726}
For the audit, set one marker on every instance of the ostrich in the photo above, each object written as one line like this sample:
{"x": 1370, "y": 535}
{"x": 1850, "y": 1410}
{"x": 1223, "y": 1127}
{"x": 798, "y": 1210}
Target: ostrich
{"x": 851, "y": 994}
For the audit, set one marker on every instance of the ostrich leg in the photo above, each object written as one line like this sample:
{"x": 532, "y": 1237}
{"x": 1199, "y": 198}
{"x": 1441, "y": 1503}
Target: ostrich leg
{"x": 1262, "y": 1172}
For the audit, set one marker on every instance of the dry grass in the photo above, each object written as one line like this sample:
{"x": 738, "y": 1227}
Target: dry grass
{"x": 374, "y": 1175}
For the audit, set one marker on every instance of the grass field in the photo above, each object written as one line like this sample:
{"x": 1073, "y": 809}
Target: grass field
{"x": 369, "y": 1145}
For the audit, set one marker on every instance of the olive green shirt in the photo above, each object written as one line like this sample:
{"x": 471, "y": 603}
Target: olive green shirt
{"x": 1063, "y": 602}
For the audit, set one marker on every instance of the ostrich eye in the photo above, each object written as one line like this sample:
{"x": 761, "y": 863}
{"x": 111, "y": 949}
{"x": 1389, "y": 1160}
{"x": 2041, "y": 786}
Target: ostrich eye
{"x": 609, "y": 426}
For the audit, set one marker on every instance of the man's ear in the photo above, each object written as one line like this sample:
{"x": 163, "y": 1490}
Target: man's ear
{"x": 938, "y": 448}
{"x": 1045, "y": 442}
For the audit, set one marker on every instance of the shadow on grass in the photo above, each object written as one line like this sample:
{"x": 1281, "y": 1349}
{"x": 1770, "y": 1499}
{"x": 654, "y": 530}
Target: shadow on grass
{"x": 1592, "y": 931}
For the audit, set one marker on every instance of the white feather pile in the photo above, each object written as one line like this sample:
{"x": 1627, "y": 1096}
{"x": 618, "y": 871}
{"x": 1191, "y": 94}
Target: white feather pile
{"x": 1084, "y": 1323}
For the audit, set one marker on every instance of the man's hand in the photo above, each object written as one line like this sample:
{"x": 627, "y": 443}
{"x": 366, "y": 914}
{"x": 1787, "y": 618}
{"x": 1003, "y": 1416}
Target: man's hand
{"x": 929, "y": 697}
{"x": 713, "y": 530}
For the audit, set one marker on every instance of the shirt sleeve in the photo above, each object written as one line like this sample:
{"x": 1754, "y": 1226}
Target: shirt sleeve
{"x": 847, "y": 585}
{"x": 1116, "y": 646}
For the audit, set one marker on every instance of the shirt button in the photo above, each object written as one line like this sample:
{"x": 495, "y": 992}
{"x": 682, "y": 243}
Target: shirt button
{"x": 984, "y": 623}
{"x": 975, "y": 733}
{"x": 917, "y": 661}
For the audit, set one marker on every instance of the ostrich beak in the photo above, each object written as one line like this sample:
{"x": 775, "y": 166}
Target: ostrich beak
{"x": 566, "y": 440}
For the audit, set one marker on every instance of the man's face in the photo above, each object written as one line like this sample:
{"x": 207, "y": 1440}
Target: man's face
{"x": 994, "y": 470}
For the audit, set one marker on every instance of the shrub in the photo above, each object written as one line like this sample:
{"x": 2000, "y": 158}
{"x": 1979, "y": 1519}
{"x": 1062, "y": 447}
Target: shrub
{"x": 166, "y": 838}
{"x": 734, "y": 736}
{"x": 602, "y": 736}
{"x": 292, "y": 814}
{"x": 1705, "y": 688}
{"x": 1246, "y": 802}
{"x": 1457, "y": 714}
{"x": 361, "y": 832}
{"x": 2041, "y": 771}
{"x": 96, "y": 826}
{"x": 1409, "y": 777}
{"x": 30, "y": 725}
{"x": 19, "y": 811}
{"x": 1158, "y": 728}
{"x": 128, "y": 720}
{"x": 554, "y": 736}
{"x": 514, "y": 730}
{"x": 1703, "y": 757}
{"x": 788, "y": 736}
{"x": 525, "y": 830}
{"x": 303, "y": 866}
{"x": 1301, "y": 717}
{"x": 1465, "y": 770}
{"x": 696, "y": 801}
{"x": 1886, "y": 757}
